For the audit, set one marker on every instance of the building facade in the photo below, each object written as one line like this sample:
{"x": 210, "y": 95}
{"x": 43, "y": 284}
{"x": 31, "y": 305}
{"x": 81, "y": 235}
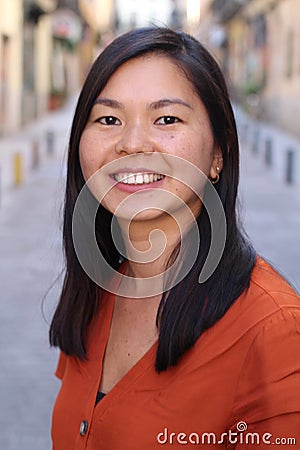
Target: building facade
{"x": 51, "y": 31}
{"x": 11, "y": 19}
{"x": 258, "y": 45}
{"x": 282, "y": 91}
{"x": 133, "y": 13}
{"x": 37, "y": 49}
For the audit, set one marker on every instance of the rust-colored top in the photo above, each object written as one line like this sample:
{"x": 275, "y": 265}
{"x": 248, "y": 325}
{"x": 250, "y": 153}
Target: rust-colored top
{"x": 244, "y": 372}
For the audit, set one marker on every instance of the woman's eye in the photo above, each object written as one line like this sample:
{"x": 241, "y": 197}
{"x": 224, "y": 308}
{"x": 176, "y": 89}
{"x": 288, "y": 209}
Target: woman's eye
{"x": 167, "y": 120}
{"x": 109, "y": 120}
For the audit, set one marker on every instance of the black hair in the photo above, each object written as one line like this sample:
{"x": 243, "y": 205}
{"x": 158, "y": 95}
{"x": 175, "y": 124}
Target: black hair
{"x": 189, "y": 308}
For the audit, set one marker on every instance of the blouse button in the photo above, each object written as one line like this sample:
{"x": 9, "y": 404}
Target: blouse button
{"x": 83, "y": 427}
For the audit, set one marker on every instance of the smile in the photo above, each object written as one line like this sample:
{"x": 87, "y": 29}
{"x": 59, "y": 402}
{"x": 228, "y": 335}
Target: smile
{"x": 137, "y": 178}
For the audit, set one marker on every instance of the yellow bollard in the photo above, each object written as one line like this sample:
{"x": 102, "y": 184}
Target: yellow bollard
{"x": 18, "y": 168}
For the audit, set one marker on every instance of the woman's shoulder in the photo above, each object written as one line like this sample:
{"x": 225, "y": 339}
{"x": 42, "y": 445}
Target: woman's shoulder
{"x": 268, "y": 290}
{"x": 267, "y": 279}
{"x": 270, "y": 373}
{"x": 268, "y": 296}
{"x": 268, "y": 302}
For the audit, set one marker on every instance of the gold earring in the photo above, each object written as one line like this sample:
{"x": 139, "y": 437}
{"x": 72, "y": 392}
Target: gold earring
{"x": 215, "y": 180}
{"x": 217, "y": 177}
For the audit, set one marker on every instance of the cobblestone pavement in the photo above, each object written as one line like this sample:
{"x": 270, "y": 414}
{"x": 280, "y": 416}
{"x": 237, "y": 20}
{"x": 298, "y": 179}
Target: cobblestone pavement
{"x": 30, "y": 260}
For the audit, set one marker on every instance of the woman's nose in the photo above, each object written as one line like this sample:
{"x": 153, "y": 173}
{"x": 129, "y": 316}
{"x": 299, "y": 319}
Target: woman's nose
{"x": 135, "y": 139}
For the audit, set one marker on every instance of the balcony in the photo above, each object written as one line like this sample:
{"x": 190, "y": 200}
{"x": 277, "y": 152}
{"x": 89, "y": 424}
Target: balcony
{"x": 34, "y": 9}
{"x": 226, "y": 9}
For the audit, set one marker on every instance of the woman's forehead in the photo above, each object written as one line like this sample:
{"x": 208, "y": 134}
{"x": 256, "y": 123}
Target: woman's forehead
{"x": 150, "y": 74}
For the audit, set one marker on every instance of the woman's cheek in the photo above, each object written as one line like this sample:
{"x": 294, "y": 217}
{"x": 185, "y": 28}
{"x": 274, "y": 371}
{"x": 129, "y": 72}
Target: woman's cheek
{"x": 88, "y": 155}
{"x": 199, "y": 151}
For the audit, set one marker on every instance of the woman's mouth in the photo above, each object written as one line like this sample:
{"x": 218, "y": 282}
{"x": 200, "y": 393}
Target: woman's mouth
{"x": 139, "y": 178}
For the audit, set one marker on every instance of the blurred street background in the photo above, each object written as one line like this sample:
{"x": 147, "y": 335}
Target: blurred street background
{"x": 46, "y": 49}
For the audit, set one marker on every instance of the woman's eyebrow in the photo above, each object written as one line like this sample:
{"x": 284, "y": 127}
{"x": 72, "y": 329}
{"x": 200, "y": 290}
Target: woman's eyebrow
{"x": 154, "y": 105}
{"x": 167, "y": 102}
{"x": 108, "y": 102}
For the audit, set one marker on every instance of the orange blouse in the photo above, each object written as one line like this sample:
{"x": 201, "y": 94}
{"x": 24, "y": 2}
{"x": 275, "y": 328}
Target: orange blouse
{"x": 238, "y": 387}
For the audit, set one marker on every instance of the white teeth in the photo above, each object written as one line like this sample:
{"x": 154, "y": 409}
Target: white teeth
{"x": 130, "y": 179}
{"x": 137, "y": 178}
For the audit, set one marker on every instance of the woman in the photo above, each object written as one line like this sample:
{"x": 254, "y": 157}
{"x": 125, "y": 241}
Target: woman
{"x": 164, "y": 348}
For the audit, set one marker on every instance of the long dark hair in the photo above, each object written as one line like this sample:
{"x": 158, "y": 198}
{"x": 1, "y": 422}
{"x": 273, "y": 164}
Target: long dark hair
{"x": 189, "y": 308}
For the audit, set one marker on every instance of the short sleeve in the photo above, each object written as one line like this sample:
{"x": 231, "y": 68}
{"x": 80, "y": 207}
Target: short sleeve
{"x": 268, "y": 393}
{"x": 61, "y": 366}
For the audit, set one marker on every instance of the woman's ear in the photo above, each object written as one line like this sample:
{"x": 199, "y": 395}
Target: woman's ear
{"x": 217, "y": 163}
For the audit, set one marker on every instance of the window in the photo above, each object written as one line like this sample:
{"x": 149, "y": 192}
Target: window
{"x": 290, "y": 53}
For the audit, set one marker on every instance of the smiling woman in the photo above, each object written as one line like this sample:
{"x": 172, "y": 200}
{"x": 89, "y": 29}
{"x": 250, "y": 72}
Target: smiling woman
{"x": 158, "y": 114}
{"x": 152, "y": 344}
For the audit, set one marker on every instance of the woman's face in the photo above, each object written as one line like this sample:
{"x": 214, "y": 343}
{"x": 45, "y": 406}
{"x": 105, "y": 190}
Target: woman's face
{"x": 149, "y": 113}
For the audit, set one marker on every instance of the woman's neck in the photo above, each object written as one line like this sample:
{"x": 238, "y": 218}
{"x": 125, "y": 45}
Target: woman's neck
{"x": 156, "y": 251}
{"x": 149, "y": 245}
